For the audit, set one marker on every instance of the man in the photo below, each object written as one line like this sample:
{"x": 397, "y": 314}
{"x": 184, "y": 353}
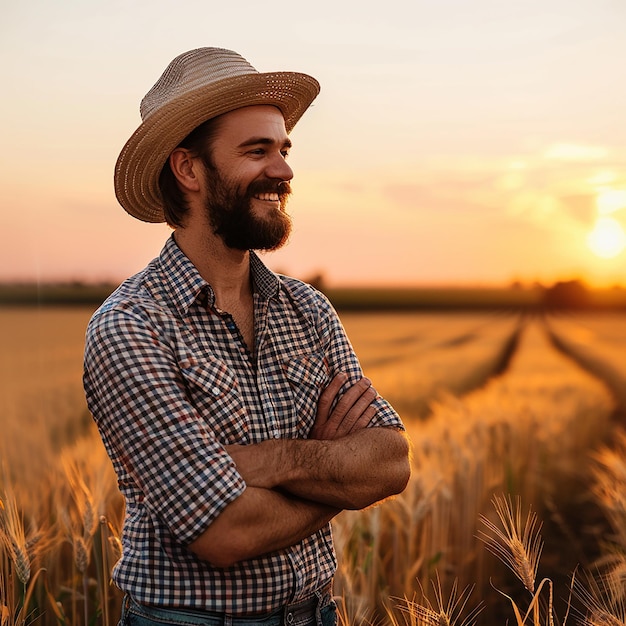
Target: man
{"x": 228, "y": 397}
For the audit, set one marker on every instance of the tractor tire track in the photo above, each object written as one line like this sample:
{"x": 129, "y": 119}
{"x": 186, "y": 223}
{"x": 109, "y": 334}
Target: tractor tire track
{"x": 595, "y": 365}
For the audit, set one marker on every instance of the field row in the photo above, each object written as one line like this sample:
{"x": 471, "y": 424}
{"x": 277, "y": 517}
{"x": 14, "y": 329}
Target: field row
{"x": 527, "y": 433}
{"x": 598, "y": 343}
{"x": 493, "y": 408}
{"x": 415, "y": 360}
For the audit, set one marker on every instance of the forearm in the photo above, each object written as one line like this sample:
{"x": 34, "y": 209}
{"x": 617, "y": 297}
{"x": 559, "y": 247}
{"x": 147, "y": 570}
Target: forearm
{"x": 352, "y": 472}
{"x": 257, "y": 522}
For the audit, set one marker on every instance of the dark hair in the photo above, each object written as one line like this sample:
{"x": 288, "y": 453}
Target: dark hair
{"x": 198, "y": 142}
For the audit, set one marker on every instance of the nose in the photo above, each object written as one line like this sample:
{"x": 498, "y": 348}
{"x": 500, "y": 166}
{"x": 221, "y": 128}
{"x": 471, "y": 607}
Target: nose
{"x": 279, "y": 169}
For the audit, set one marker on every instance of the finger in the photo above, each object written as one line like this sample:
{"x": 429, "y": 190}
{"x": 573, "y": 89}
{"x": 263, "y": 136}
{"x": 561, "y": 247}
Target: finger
{"x": 348, "y": 408}
{"x": 328, "y": 396}
{"x": 349, "y": 398}
{"x": 355, "y": 413}
{"x": 364, "y": 420}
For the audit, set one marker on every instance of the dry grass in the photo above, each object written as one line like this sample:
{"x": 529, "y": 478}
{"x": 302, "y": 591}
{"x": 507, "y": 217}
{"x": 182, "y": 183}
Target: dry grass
{"x": 609, "y": 470}
{"x": 599, "y": 343}
{"x": 531, "y": 433}
{"x": 525, "y": 434}
{"x": 416, "y": 360}
{"x": 54, "y": 469}
{"x": 42, "y": 405}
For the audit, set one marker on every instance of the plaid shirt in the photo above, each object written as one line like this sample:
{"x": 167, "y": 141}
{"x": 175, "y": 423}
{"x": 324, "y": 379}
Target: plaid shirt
{"x": 169, "y": 381}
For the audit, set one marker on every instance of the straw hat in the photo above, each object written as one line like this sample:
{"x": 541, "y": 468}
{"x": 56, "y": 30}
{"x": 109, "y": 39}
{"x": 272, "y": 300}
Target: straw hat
{"x": 196, "y": 86}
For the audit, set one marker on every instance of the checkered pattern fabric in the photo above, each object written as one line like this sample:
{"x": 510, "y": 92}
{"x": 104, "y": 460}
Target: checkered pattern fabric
{"x": 169, "y": 381}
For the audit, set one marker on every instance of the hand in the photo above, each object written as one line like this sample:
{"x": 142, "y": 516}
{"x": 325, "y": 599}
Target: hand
{"x": 352, "y": 412}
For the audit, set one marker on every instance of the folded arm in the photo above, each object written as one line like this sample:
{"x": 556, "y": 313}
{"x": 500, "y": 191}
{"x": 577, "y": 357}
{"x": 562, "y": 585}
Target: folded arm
{"x": 296, "y": 486}
{"x": 351, "y": 472}
{"x": 344, "y": 464}
{"x": 257, "y": 522}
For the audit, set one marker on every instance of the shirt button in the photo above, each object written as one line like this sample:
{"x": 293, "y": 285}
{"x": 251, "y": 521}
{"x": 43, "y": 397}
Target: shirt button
{"x": 215, "y": 391}
{"x": 276, "y": 434}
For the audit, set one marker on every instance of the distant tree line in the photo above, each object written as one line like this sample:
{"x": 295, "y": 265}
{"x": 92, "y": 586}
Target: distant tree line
{"x": 569, "y": 294}
{"x": 562, "y": 295}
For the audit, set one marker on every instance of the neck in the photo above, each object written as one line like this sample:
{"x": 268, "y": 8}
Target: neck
{"x": 225, "y": 269}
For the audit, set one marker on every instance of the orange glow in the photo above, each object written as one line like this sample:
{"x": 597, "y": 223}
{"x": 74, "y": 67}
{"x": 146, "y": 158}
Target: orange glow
{"x": 607, "y": 239}
{"x": 441, "y": 150}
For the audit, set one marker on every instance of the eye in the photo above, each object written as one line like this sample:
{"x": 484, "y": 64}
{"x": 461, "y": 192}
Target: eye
{"x": 285, "y": 153}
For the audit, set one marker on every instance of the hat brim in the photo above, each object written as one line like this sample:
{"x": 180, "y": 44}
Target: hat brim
{"x": 141, "y": 160}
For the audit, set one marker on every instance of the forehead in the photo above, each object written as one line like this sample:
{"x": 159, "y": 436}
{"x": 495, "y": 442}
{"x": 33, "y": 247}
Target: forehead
{"x": 259, "y": 120}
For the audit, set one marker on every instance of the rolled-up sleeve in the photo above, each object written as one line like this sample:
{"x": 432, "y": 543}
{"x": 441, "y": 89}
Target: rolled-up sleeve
{"x": 164, "y": 453}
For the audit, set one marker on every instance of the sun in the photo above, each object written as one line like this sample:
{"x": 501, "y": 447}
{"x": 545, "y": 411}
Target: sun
{"x": 607, "y": 239}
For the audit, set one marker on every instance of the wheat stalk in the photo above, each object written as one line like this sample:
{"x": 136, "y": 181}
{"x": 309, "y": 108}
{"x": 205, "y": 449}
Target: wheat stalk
{"x": 603, "y": 597}
{"x": 13, "y": 537}
{"x": 442, "y": 612}
{"x": 517, "y": 545}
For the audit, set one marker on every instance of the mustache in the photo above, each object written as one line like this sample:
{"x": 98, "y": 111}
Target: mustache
{"x": 282, "y": 188}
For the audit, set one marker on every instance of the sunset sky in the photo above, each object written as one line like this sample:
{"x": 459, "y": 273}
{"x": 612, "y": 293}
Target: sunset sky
{"x": 455, "y": 142}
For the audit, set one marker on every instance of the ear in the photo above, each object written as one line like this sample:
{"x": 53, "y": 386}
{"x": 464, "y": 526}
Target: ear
{"x": 186, "y": 169}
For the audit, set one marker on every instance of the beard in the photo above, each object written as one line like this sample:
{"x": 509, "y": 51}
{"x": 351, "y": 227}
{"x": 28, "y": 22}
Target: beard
{"x": 231, "y": 215}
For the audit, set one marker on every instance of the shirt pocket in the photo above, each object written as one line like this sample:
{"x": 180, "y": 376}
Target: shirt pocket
{"x": 213, "y": 391}
{"x": 308, "y": 375}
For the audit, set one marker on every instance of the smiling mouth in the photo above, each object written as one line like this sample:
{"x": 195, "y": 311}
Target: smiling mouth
{"x": 267, "y": 197}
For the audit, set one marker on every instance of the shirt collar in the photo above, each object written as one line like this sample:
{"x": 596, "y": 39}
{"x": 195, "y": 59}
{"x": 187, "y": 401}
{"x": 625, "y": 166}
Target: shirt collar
{"x": 184, "y": 284}
{"x": 182, "y": 281}
{"x": 265, "y": 282}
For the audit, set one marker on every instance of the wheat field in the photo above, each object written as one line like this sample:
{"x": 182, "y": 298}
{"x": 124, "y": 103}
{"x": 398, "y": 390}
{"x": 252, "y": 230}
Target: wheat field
{"x": 515, "y": 511}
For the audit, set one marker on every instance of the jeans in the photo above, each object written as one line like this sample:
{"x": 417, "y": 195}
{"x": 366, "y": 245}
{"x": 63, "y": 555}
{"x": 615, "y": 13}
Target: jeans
{"x": 316, "y": 612}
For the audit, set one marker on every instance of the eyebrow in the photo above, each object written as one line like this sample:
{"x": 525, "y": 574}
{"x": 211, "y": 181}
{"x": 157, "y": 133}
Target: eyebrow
{"x": 265, "y": 141}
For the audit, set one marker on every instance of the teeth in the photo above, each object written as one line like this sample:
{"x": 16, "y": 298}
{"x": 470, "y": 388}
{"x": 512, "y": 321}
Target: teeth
{"x": 271, "y": 197}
